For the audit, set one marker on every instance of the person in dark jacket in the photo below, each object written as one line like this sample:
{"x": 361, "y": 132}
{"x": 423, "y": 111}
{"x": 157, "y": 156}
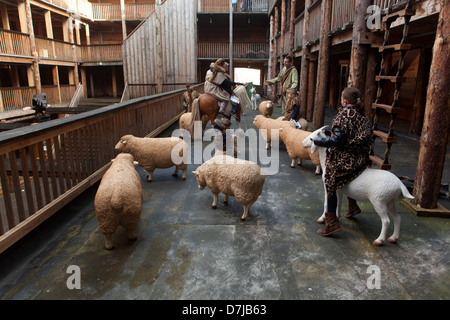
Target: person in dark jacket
{"x": 348, "y": 144}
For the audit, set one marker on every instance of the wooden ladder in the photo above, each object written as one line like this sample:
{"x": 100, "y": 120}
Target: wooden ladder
{"x": 397, "y": 80}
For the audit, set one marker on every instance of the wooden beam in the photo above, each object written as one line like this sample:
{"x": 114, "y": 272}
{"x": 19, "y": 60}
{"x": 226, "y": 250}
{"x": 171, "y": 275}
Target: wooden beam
{"x": 292, "y": 28}
{"x": 434, "y": 138}
{"x": 305, "y": 64}
{"x": 324, "y": 62}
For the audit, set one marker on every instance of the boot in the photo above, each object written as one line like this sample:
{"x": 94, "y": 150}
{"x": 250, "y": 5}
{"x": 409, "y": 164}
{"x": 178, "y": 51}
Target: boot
{"x": 331, "y": 225}
{"x": 353, "y": 208}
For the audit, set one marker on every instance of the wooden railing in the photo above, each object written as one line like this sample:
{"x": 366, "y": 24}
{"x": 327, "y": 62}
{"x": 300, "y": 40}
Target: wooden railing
{"x": 45, "y": 166}
{"x": 112, "y": 11}
{"x": 16, "y": 98}
{"x": 241, "y": 50}
{"x": 14, "y": 43}
{"x": 100, "y": 52}
{"x": 55, "y": 49}
{"x": 298, "y": 41}
{"x": 384, "y": 4}
{"x": 240, "y": 6}
{"x": 315, "y": 16}
{"x": 343, "y": 14}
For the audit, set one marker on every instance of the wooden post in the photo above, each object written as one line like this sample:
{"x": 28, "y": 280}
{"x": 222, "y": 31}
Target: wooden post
{"x": 159, "y": 56}
{"x": 55, "y": 75}
{"x": 370, "y": 93}
{"x": 271, "y": 48}
{"x": 420, "y": 93}
{"x": 312, "y": 78}
{"x": 71, "y": 22}
{"x": 37, "y": 77}
{"x": 292, "y": 28}
{"x": 305, "y": 63}
{"x": 359, "y": 53}
{"x": 5, "y": 18}
{"x": 324, "y": 57}
{"x": 283, "y": 31}
{"x": 123, "y": 15}
{"x": 231, "y": 40}
{"x": 434, "y": 138}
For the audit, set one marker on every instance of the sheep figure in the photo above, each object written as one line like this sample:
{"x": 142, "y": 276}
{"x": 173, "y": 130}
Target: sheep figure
{"x": 255, "y": 98}
{"x": 292, "y": 138}
{"x": 382, "y": 188}
{"x": 239, "y": 178}
{"x": 303, "y": 122}
{"x": 152, "y": 153}
{"x": 266, "y": 108}
{"x": 186, "y": 119}
{"x": 265, "y": 125}
{"x": 118, "y": 200}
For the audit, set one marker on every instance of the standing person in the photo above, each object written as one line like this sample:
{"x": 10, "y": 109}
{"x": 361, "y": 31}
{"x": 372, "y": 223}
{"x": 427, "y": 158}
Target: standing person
{"x": 288, "y": 77}
{"x": 347, "y": 154}
{"x": 189, "y": 96}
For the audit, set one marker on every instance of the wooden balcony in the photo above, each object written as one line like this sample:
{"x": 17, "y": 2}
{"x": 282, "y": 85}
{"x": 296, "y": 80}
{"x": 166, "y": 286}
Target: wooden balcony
{"x": 343, "y": 14}
{"x": 112, "y": 11}
{"x": 14, "y": 43}
{"x": 249, "y": 51}
{"x": 100, "y": 53}
{"x": 54, "y": 49}
{"x": 315, "y": 15}
{"x": 15, "y": 98}
{"x": 217, "y": 6}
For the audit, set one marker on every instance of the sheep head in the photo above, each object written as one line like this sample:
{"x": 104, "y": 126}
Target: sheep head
{"x": 308, "y": 142}
{"x": 200, "y": 180}
{"x": 121, "y": 145}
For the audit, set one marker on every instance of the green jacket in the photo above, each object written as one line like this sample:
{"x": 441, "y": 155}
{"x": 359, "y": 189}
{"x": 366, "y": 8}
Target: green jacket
{"x": 291, "y": 81}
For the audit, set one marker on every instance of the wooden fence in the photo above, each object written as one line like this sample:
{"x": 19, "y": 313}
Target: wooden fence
{"x": 343, "y": 14}
{"x": 14, "y": 43}
{"x": 45, "y": 166}
{"x": 241, "y": 50}
{"x": 112, "y": 11}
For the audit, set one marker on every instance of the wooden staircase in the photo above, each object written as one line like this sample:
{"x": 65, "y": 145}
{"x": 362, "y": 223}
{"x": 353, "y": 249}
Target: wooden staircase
{"x": 385, "y": 49}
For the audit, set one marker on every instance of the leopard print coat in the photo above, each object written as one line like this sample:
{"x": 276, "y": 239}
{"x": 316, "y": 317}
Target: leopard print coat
{"x": 345, "y": 163}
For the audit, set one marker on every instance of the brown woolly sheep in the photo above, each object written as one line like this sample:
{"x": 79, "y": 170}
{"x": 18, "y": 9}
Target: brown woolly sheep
{"x": 118, "y": 200}
{"x": 239, "y": 178}
{"x": 152, "y": 153}
{"x": 293, "y": 138}
{"x": 266, "y": 108}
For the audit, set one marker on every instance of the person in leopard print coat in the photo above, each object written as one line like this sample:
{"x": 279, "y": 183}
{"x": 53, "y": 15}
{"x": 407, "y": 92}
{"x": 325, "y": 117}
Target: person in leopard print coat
{"x": 351, "y": 136}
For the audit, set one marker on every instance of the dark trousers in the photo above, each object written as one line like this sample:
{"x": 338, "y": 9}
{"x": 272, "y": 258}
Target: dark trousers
{"x": 332, "y": 203}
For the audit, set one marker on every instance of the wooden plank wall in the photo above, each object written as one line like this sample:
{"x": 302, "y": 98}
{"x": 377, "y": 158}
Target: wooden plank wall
{"x": 171, "y": 64}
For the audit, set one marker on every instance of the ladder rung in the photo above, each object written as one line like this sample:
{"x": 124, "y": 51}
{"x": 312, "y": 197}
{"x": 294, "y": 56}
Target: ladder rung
{"x": 400, "y": 13}
{"x": 391, "y": 78}
{"x": 379, "y": 162}
{"x": 386, "y": 107}
{"x": 396, "y": 47}
{"x": 384, "y": 136}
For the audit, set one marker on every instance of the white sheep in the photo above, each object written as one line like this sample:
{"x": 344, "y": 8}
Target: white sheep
{"x": 266, "y": 108}
{"x": 382, "y": 188}
{"x": 292, "y": 138}
{"x": 186, "y": 119}
{"x": 239, "y": 178}
{"x": 255, "y": 98}
{"x": 118, "y": 200}
{"x": 152, "y": 153}
{"x": 265, "y": 126}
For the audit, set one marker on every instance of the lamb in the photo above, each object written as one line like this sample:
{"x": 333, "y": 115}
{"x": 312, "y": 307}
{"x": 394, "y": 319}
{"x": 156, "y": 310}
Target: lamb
{"x": 382, "y": 188}
{"x": 255, "y": 98}
{"x": 292, "y": 139}
{"x": 266, "y": 108}
{"x": 118, "y": 200}
{"x": 233, "y": 177}
{"x": 186, "y": 118}
{"x": 152, "y": 153}
{"x": 262, "y": 123}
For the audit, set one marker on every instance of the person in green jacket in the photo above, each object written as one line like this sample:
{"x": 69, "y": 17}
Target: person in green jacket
{"x": 288, "y": 77}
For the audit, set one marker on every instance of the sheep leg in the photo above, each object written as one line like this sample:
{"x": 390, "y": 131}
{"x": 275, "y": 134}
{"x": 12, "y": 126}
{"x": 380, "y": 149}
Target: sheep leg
{"x": 267, "y": 145}
{"x": 246, "y": 210}
{"x": 225, "y": 201}
{"x": 382, "y": 211}
{"x": 175, "y": 173}
{"x": 321, "y": 220}
{"x": 293, "y": 163}
{"x": 216, "y": 199}
{"x": 318, "y": 169}
{"x": 183, "y": 177}
{"x": 299, "y": 162}
{"x": 150, "y": 175}
{"x": 132, "y": 235}
{"x": 108, "y": 241}
{"x": 397, "y": 220}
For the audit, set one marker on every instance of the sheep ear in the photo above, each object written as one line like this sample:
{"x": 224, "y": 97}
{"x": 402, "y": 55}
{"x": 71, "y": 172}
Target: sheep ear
{"x": 281, "y": 129}
{"x": 112, "y": 160}
{"x": 124, "y": 142}
{"x": 195, "y": 173}
{"x": 135, "y": 163}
